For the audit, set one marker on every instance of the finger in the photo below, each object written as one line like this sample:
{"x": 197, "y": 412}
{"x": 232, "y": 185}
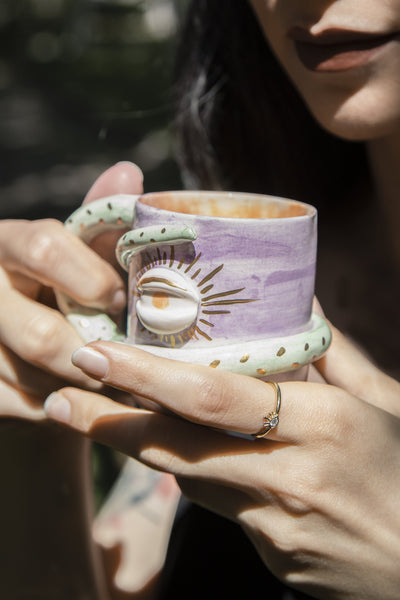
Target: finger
{"x": 123, "y": 178}
{"x": 45, "y": 251}
{"x": 40, "y": 336}
{"x": 347, "y": 367}
{"x": 223, "y": 500}
{"x": 27, "y": 378}
{"x": 203, "y": 395}
{"x": 160, "y": 441}
{"x": 17, "y": 404}
{"x": 27, "y": 286}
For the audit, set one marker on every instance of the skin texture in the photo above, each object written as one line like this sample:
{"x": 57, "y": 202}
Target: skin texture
{"x": 318, "y": 497}
{"x": 35, "y": 347}
{"x": 283, "y": 490}
{"x": 360, "y": 103}
{"x": 33, "y": 358}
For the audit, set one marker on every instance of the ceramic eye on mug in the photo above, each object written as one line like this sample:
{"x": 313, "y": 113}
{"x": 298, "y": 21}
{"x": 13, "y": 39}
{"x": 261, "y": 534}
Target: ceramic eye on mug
{"x": 167, "y": 301}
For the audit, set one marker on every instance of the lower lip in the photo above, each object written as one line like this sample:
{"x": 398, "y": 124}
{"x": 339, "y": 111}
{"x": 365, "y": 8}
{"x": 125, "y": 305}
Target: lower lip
{"x": 340, "y": 57}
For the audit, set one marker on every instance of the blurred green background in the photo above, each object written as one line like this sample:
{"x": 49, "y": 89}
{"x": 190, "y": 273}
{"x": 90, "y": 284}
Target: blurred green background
{"x": 83, "y": 84}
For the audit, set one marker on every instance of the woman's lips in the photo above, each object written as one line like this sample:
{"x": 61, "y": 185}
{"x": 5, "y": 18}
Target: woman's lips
{"x": 337, "y": 50}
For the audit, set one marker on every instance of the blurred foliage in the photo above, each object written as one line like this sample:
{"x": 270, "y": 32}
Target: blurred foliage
{"x": 83, "y": 84}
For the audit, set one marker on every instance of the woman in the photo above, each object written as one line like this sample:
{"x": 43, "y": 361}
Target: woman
{"x": 306, "y": 497}
{"x": 318, "y": 498}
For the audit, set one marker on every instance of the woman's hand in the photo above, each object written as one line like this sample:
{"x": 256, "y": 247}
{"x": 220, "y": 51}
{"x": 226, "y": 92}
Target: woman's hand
{"x": 318, "y": 497}
{"x": 46, "y": 471}
{"x": 36, "y": 341}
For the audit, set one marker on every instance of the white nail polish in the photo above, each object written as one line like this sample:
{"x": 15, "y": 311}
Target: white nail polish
{"x": 92, "y": 362}
{"x": 58, "y": 408}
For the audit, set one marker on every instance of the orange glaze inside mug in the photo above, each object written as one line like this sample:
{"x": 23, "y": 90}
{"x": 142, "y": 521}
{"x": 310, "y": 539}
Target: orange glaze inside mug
{"x": 227, "y": 205}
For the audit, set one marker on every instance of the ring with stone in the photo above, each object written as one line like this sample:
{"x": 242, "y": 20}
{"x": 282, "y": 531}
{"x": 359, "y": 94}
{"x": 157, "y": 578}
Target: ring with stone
{"x": 271, "y": 420}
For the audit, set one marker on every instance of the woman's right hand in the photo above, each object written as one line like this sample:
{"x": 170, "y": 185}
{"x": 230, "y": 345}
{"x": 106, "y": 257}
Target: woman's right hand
{"x": 36, "y": 341}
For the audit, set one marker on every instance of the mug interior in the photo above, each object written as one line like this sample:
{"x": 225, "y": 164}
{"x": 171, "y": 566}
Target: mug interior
{"x": 234, "y": 205}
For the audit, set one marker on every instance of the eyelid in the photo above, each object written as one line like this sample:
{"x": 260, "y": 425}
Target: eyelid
{"x": 162, "y": 284}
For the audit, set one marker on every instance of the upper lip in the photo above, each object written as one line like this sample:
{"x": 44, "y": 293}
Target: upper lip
{"x": 335, "y": 36}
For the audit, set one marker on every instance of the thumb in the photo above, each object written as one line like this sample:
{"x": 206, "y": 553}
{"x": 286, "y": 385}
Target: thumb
{"x": 122, "y": 178}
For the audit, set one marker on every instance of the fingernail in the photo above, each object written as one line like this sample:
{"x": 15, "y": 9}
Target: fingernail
{"x": 118, "y": 302}
{"x": 58, "y": 408}
{"x": 91, "y": 361}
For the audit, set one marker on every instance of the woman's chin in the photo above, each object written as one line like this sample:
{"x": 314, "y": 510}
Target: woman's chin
{"x": 358, "y": 129}
{"x": 354, "y": 122}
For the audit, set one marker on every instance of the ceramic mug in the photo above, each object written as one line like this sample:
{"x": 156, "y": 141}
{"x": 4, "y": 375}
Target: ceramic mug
{"x": 216, "y": 278}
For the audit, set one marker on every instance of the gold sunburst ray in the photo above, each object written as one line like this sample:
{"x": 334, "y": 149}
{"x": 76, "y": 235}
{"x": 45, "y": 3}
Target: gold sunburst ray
{"x": 194, "y": 261}
{"x": 203, "y": 333}
{"x": 206, "y": 322}
{"x": 181, "y": 262}
{"x": 207, "y": 289}
{"x": 222, "y": 294}
{"x": 227, "y": 302}
{"x": 172, "y": 256}
{"x": 195, "y": 274}
{"x": 210, "y": 275}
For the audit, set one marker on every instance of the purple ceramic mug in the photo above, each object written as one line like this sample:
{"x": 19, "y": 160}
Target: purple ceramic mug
{"x": 217, "y": 278}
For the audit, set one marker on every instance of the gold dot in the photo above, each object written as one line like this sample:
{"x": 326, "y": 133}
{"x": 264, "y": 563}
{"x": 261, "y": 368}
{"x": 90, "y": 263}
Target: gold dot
{"x": 215, "y": 364}
{"x": 306, "y": 347}
{"x": 261, "y": 371}
{"x": 245, "y": 358}
{"x": 163, "y": 230}
{"x": 295, "y": 365}
{"x": 281, "y": 351}
{"x": 323, "y": 341}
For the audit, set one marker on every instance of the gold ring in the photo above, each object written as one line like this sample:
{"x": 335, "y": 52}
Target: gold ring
{"x": 272, "y": 419}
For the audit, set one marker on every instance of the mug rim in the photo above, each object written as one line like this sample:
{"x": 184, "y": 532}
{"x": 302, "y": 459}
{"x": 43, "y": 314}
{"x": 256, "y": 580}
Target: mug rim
{"x": 309, "y": 210}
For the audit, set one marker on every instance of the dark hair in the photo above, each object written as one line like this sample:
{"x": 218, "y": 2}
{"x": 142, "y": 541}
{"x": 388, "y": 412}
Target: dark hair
{"x": 241, "y": 125}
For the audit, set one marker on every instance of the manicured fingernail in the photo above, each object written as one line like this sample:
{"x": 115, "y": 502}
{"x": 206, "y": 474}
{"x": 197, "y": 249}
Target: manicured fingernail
{"x": 118, "y": 301}
{"x": 91, "y": 361}
{"x": 58, "y": 408}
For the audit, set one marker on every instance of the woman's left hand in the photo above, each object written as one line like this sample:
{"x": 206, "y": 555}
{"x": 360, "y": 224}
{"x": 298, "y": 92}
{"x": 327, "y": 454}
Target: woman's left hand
{"x": 319, "y": 497}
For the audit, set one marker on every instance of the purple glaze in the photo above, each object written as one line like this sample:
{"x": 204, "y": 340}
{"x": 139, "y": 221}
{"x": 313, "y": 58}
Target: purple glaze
{"x": 273, "y": 259}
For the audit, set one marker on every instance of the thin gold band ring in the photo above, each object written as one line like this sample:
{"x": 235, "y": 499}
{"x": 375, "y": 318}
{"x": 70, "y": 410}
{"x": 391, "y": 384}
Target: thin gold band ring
{"x": 271, "y": 421}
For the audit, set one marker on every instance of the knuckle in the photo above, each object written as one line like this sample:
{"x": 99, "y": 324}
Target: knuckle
{"x": 42, "y": 338}
{"x": 335, "y": 422}
{"x": 301, "y": 487}
{"x": 288, "y": 540}
{"x": 43, "y": 243}
{"x": 287, "y": 548}
{"x": 213, "y": 400}
{"x": 299, "y": 500}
